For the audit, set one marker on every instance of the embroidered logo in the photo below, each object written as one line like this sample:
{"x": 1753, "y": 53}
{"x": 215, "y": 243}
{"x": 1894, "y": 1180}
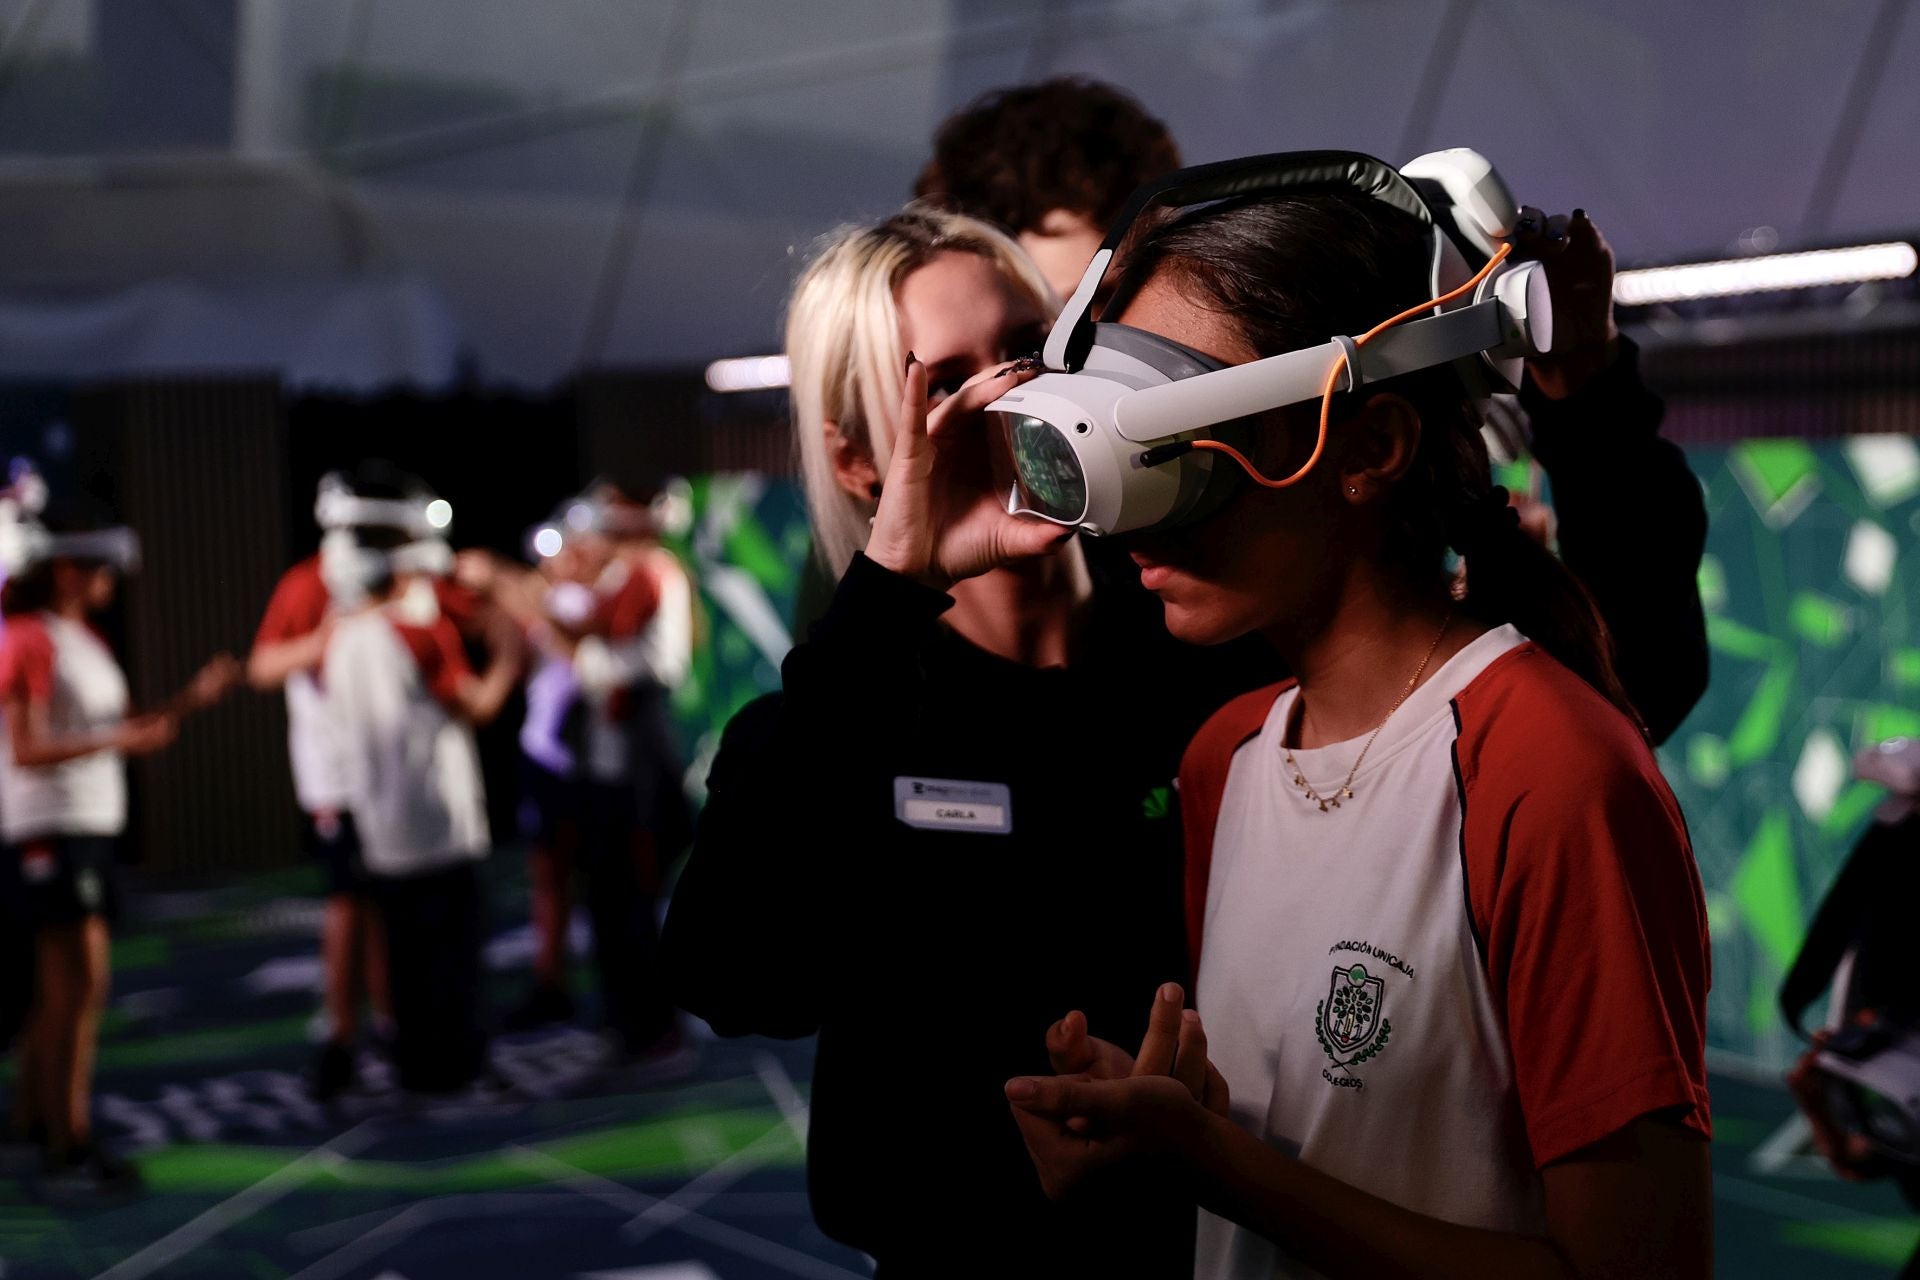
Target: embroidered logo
{"x": 1351, "y": 1021}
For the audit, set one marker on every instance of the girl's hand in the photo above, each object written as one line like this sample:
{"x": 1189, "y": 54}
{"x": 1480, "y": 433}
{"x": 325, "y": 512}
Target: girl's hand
{"x": 1175, "y": 1045}
{"x": 1072, "y": 1052}
{"x": 1072, "y": 1134}
{"x": 1579, "y": 266}
{"x": 1119, "y": 1120}
{"x": 144, "y": 735}
{"x": 940, "y": 520}
{"x": 215, "y": 680}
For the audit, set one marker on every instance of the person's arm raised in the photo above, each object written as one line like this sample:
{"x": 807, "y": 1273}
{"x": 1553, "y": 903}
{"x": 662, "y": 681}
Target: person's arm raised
{"x": 940, "y": 520}
{"x": 1631, "y": 517}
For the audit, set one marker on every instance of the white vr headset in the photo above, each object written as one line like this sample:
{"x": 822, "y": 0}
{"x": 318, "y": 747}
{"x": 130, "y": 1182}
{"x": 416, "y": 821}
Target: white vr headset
{"x": 25, "y": 542}
{"x": 337, "y": 506}
{"x": 600, "y": 510}
{"x": 350, "y": 569}
{"x": 1106, "y": 440}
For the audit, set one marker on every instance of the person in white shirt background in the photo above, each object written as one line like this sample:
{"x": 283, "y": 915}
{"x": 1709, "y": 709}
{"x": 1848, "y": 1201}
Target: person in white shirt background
{"x": 404, "y": 702}
{"x": 63, "y": 804}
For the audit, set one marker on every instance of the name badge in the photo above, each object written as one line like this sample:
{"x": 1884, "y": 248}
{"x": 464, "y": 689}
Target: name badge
{"x": 942, "y": 804}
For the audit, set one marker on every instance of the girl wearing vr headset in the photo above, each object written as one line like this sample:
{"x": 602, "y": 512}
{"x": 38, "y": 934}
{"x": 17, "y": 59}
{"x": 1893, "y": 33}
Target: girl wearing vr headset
{"x": 1451, "y": 943}
{"x": 953, "y": 810}
{"x": 63, "y": 804}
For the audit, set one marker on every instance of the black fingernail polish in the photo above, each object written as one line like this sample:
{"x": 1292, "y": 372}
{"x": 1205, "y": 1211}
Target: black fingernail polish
{"x": 873, "y": 491}
{"x": 1579, "y": 213}
{"x": 911, "y": 360}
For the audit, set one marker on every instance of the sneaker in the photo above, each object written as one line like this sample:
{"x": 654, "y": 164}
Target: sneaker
{"x": 333, "y": 1072}
{"x": 545, "y": 1005}
{"x": 89, "y": 1176}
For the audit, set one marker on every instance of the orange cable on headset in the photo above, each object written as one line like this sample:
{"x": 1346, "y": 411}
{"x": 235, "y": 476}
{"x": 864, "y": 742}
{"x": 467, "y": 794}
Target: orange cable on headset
{"x": 1333, "y": 375}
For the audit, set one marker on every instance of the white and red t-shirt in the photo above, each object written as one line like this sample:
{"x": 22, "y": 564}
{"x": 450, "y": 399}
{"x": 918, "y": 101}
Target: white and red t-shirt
{"x": 299, "y": 605}
{"x": 392, "y": 676}
{"x": 64, "y": 666}
{"x": 1492, "y": 955}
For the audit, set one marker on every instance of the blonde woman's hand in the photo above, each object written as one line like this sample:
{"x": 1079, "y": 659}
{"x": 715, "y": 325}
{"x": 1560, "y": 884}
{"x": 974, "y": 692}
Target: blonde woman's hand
{"x": 940, "y": 520}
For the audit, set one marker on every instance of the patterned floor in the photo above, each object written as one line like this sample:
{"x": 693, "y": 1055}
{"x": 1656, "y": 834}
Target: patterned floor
{"x": 589, "y": 1174}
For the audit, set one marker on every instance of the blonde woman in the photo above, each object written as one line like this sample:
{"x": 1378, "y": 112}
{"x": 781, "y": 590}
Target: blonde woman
{"x": 953, "y": 821}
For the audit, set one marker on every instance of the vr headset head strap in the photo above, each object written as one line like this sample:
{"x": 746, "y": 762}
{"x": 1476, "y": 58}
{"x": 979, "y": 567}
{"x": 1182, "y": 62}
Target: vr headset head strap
{"x": 1273, "y": 174}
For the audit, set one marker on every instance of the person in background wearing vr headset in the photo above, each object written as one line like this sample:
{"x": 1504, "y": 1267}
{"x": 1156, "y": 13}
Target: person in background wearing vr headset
{"x": 63, "y": 804}
{"x": 952, "y": 813}
{"x": 1451, "y": 943}
{"x": 1054, "y": 162}
{"x": 403, "y": 700}
{"x": 376, "y": 502}
{"x": 609, "y": 617}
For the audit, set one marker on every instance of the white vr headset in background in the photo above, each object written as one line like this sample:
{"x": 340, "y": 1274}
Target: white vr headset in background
{"x": 352, "y": 569}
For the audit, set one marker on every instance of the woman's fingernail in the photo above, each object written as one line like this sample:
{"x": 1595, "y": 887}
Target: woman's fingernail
{"x": 1189, "y": 1016}
{"x": 1021, "y": 1089}
{"x": 1579, "y": 213}
{"x": 1170, "y": 992}
{"x": 912, "y": 360}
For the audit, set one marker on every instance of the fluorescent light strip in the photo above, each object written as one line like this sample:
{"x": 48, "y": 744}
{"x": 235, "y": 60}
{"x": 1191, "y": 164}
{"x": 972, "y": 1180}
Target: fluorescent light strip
{"x": 1808, "y": 270}
{"x": 748, "y": 373}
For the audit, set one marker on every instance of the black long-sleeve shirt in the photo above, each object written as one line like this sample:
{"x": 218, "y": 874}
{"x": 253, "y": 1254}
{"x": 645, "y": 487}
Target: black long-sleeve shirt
{"x": 931, "y": 962}
{"x": 1633, "y": 526}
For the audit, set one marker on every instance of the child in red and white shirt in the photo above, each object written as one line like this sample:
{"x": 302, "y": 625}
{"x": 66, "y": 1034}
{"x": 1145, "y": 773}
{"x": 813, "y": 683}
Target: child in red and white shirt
{"x": 63, "y": 805}
{"x": 1451, "y": 942}
{"x": 610, "y": 615}
{"x": 288, "y": 650}
{"x": 404, "y": 701}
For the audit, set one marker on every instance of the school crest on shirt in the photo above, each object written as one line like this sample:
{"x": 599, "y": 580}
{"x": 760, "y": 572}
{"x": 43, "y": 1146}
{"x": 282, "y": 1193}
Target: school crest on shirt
{"x": 1351, "y": 1022}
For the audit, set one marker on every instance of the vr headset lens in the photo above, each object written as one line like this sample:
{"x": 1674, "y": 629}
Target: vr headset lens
{"x": 1048, "y": 478}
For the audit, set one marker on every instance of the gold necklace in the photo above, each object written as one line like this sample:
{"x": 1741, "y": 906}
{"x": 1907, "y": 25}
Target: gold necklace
{"x": 1345, "y": 790}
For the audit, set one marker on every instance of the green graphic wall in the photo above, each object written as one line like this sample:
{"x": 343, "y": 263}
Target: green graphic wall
{"x": 746, "y": 549}
{"x": 1809, "y": 581}
{"x": 1809, "y": 584}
